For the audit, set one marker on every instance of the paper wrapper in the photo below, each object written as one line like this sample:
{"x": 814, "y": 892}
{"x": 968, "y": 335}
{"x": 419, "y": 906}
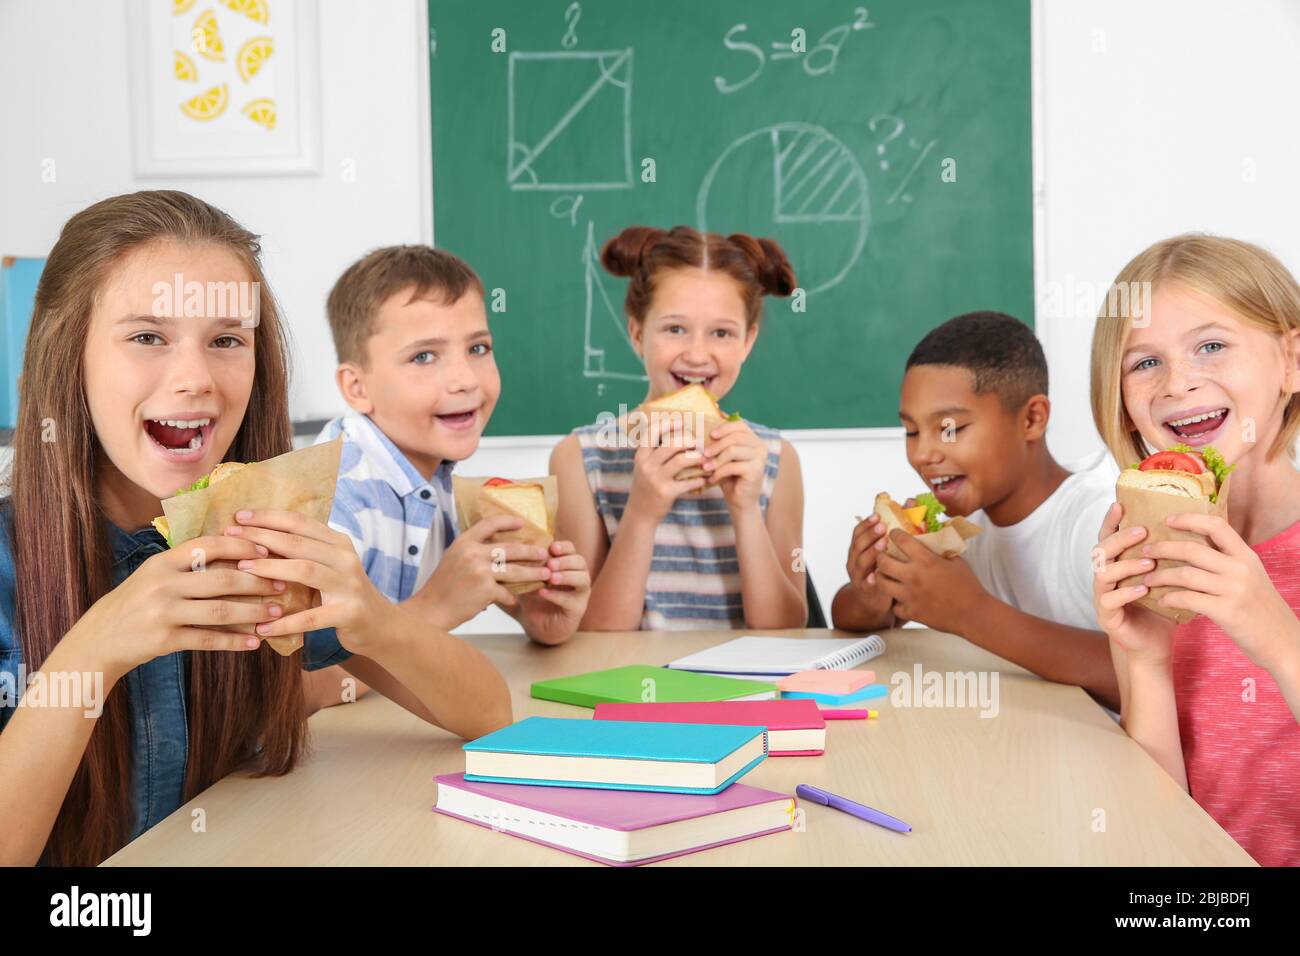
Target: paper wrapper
{"x": 1150, "y": 509}
{"x": 301, "y": 481}
{"x": 948, "y": 542}
{"x": 469, "y": 512}
{"x": 705, "y": 424}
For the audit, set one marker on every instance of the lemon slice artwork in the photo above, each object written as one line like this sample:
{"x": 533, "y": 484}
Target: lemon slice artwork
{"x": 184, "y": 68}
{"x": 253, "y": 9}
{"x": 207, "y": 39}
{"x": 207, "y": 106}
{"x": 261, "y": 111}
{"x": 252, "y": 55}
{"x": 181, "y": 6}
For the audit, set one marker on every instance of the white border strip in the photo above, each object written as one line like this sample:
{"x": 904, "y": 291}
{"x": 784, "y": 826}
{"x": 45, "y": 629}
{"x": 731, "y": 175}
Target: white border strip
{"x": 424, "y": 122}
{"x": 1038, "y": 174}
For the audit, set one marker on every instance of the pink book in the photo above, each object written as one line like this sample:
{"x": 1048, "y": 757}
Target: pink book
{"x": 795, "y": 728}
{"x": 617, "y": 827}
{"x": 827, "y": 682}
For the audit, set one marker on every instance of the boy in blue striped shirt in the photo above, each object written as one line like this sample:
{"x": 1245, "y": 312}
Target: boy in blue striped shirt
{"x": 416, "y": 366}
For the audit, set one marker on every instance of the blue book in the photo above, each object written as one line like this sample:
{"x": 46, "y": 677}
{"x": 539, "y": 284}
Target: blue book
{"x": 617, "y": 754}
{"x": 18, "y": 279}
{"x": 838, "y": 700}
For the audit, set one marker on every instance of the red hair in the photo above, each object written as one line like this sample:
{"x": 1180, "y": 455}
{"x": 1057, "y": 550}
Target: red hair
{"x": 641, "y": 253}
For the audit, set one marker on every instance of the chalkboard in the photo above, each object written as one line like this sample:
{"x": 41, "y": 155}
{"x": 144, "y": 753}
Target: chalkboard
{"x": 886, "y": 147}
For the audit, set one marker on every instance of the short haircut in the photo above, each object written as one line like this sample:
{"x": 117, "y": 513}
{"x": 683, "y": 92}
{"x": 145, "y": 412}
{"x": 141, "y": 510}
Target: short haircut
{"x": 1001, "y": 353}
{"x": 369, "y": 282}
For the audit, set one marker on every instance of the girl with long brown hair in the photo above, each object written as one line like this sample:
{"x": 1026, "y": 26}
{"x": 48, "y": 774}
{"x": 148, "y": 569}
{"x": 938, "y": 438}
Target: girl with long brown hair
{"x": 715, "y": 551}
{"x": 126, "y": 395}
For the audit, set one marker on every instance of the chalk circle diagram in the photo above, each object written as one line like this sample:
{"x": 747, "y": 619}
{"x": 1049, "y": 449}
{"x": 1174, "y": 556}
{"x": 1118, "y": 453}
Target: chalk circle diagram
{"x": 801, "y": 186}
{"x": 569, "y": 120}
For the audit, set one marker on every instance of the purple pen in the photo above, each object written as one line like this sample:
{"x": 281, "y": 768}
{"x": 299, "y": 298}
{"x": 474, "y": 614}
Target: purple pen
{"x": 859, "y": 810}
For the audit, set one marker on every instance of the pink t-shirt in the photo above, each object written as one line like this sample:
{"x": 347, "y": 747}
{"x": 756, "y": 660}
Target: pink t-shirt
{"x": 1241, "y": 743}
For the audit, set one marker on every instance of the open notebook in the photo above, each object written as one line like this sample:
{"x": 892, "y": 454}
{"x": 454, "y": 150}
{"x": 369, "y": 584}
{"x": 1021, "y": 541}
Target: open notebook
{"x": 767, "y": 657}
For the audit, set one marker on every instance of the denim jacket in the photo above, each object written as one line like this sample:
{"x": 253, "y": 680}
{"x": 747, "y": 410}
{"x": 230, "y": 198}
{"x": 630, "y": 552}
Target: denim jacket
{"x": 156, "y": 691}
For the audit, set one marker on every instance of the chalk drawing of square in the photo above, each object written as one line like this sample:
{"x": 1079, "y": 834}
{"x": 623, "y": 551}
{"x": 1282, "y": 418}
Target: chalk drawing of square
{"x": 581, "y": 143}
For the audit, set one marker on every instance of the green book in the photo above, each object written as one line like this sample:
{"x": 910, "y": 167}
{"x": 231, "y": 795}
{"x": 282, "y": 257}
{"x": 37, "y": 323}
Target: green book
{"x": 642, "y": 683}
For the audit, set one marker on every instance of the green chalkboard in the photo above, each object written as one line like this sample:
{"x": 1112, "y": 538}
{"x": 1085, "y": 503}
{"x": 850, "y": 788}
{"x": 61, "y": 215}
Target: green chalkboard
{"x": 885, "y": 146}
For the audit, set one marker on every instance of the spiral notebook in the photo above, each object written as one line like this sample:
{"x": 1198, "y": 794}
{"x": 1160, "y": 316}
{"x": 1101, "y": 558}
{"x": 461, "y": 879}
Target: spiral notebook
{"x": 765, "y": 657}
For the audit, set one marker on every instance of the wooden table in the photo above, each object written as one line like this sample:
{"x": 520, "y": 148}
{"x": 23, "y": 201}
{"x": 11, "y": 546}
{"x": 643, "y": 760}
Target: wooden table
{"x": 1050, "y": 780}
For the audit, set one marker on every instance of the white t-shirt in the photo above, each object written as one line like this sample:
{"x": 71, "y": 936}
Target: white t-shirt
{"x": 1043, "y": 564}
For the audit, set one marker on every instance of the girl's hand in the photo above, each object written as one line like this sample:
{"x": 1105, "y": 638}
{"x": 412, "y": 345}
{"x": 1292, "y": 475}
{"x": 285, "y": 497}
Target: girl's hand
{"x": 178, "y": 600}
{"x": 474, "y": 570}
{"x": 654, "y": 469}
{"x": 1228, "y": 585}
{"x": 315, "y": 555}
{"x": 1143, "y": 634}
{"x": 553, "y": 613}
{"x": 736, "y": 460}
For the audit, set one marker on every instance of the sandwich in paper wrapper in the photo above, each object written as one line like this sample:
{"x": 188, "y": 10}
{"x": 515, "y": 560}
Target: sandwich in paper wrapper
{"x": 301, "y": 481}
{"x": 698, "y": 412}
{"x": 1178, "y": 481}
{"x": 945, "y": 538}
{"x": 535, "y": 500}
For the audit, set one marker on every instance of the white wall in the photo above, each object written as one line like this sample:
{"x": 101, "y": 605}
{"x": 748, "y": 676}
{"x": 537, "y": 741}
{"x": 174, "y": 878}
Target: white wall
{"x": 1151, "y": 117}
{"x": 63, "y": 73}
{"x": 1158, "y": 117}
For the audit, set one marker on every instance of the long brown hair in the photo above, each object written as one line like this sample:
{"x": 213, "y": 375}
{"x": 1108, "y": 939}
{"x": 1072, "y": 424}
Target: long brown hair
{"x": 759, "y": 266}
{"x": 238, "y": 702}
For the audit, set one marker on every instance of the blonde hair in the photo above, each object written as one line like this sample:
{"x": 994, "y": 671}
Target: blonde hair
{"x": 1242, "y": 277}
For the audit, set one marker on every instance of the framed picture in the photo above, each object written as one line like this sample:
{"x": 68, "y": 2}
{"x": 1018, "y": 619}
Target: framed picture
{"x": 224, "y": 87}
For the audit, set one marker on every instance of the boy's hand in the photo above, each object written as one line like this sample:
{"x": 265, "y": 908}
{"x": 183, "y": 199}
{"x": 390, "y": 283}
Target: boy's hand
{"x": 865, "y": 548}
{"x": 941, "y": 593}
{"x": 473, "y": 571}
{"x": 1228, "y": 585}
{"x": 311, "y": 553}
{"x": 551, "y": 615}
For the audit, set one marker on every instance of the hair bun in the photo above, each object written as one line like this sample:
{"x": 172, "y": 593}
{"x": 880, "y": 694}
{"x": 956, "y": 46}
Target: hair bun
{"x": 776, "y": 273}
{"x": 621, "y": 256}
{"x": 772, "y": 269}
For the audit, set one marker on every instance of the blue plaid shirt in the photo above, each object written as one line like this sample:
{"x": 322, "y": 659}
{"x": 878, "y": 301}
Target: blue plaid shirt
{"x": 399, "y": 523}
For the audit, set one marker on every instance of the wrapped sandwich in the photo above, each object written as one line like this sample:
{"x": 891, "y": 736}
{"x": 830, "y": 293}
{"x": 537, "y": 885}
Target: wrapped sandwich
{"x": 1178, "y": 481}
{"x": 945, "y": 538}
{"x": 532, "y": 499}
{"x": 301, "y": 481}
{"x": 698, "y": 412}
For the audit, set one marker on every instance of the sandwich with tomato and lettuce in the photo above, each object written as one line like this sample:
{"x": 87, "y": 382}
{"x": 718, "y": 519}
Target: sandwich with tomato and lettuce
{"x": 1179, "y": 480}
{"x": 924, "y": 522}
{"x": 1181, "y": 471}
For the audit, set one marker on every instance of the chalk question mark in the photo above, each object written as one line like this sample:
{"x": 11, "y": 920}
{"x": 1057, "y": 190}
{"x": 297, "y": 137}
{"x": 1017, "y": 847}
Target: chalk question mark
{"x": 880, "y": 148}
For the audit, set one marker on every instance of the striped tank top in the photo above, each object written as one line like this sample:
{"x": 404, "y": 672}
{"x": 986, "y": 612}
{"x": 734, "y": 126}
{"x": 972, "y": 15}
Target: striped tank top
{"x": 694, "y": 579}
